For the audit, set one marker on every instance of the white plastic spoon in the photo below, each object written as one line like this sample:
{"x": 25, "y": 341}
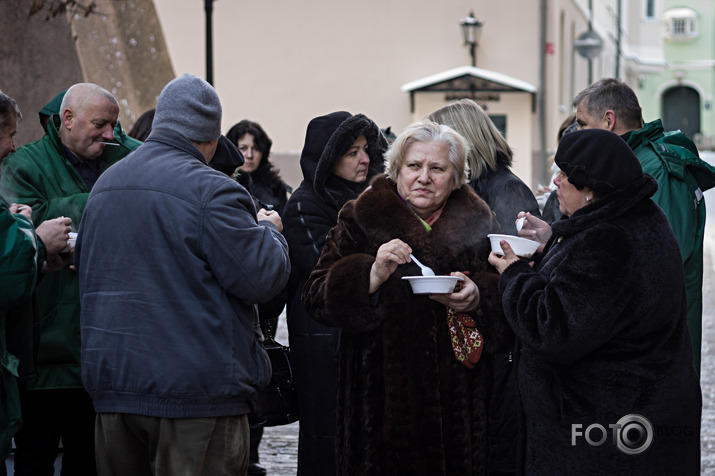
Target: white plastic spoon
{"x": 426, "y": 270}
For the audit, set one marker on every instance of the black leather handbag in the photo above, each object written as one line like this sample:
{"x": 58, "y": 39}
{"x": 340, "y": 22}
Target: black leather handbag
{"x": 277, "y": 402}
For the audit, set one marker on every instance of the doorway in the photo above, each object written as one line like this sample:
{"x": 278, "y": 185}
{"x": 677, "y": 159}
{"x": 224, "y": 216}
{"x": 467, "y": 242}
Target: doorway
{"x": 681, "y": 110}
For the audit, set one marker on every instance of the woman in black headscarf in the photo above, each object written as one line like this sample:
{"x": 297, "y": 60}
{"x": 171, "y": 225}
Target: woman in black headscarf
{"x": 600, "y": 320}
{"x": 341, "y": 153}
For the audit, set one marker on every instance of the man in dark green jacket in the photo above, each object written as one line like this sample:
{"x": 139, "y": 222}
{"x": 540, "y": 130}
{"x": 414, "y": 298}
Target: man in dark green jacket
{"x": 54, "y": 175}
{"x": 24, "y": 254}
{"x": 672, "y": 159}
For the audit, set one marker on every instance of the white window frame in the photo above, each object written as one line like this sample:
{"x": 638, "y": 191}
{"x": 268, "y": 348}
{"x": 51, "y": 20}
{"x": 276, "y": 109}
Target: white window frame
{"x": 681, "y": 24}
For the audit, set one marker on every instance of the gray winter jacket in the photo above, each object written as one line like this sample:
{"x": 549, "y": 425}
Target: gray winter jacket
{"x": 171, "y": 261}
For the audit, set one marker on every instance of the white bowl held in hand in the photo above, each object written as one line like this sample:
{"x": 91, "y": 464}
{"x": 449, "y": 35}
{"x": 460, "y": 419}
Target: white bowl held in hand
{"x": 523, "y": 247}
{"x": 433, "y": 284}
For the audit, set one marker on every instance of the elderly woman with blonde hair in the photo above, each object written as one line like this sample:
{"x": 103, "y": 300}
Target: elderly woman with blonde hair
{"x": 413, "y": 381}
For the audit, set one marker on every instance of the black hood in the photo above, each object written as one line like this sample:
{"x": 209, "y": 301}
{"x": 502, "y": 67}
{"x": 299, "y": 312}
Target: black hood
{"x": 327, "y": 139}
{"x": 227, "y": 157}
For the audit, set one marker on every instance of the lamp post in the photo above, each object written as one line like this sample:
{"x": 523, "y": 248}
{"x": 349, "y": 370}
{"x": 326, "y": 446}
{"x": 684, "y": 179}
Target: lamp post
{"x": 208, "y": 5}
{"x": 471, "y": 30}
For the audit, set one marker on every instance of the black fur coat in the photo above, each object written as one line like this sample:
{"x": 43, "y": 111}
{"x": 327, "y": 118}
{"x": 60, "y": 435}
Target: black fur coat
{"x": 311, "y": 211}
{"x": 405, "y": 404}
{"x": 602, "y": 327}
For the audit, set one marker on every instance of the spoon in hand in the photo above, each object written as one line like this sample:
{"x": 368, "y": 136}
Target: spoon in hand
{"x": 426, "y": 270}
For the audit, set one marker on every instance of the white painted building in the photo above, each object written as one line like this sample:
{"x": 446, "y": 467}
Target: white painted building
{"x": 281, "y": 62}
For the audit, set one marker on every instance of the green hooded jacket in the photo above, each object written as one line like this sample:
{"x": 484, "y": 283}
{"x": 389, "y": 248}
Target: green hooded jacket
{"x": 672, "y": 159}
{"x": 21, "y": 256}
{"x": 38, "y": 174}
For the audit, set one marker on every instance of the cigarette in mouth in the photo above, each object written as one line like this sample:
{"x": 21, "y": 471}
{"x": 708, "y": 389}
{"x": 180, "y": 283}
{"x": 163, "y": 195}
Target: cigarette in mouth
{"x": 108, "y": 143}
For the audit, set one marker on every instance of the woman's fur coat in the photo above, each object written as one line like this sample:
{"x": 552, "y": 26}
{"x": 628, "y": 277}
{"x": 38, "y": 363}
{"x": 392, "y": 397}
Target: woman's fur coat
{"x": 603, "y": 333}
{"x": 405, "y": 404}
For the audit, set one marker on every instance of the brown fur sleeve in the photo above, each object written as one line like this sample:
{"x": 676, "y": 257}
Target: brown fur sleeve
{"x": 336, "y": 293}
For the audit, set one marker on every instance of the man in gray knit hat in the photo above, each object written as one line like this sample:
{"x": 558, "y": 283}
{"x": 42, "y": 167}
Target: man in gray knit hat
{"x": 172, "y": 256}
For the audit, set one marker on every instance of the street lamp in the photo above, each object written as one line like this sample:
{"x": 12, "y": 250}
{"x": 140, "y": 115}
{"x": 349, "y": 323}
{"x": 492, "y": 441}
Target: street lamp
{"x": 208, "y": 5}
{"x": 471, "y": 29}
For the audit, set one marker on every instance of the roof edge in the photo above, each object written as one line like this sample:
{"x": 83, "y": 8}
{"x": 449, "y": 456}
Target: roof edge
{"x": 470, "y": 71}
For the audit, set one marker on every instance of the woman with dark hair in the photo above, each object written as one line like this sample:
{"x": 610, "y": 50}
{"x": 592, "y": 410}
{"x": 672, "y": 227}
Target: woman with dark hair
{"x": 269, "y": 191}
{"x": 141, "y": 129}
{"x": 257, "y": 173}
{"x": 342, "y": 152}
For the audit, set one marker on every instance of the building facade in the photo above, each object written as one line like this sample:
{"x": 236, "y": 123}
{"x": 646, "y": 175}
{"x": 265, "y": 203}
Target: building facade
{"x": 682, "y": 93}
{"x": 281, "y": 63}
{"x": 49, "y": 46}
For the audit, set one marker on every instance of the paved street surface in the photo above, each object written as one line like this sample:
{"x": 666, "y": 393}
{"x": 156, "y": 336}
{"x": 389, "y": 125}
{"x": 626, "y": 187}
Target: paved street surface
{"x": 707, "y": 372}
{"x": 279, "y": 448}
{"x": 707, "y": 377}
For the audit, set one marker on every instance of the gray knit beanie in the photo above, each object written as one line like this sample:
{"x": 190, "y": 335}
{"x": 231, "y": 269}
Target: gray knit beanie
{"x": 190, "y": 106}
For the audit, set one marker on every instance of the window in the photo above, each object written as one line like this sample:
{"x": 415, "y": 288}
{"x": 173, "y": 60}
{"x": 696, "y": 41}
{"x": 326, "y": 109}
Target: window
{"x": 650, "y": 9}
{"x": 681, "y": 24}
{"x": 499, "y": 121}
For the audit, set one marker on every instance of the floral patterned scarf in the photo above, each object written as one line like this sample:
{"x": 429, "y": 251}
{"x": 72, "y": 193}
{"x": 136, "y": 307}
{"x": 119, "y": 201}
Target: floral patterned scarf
{"x": 467, "y": 341}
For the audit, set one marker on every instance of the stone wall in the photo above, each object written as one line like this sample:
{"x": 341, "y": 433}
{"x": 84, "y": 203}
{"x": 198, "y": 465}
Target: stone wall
{"x": 48, "y": 45}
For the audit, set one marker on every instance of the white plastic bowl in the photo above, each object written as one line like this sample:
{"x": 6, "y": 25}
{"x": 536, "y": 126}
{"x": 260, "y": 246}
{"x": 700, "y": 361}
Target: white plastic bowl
{"x": 433, "y": 284}
{"x": 523, "y": 247}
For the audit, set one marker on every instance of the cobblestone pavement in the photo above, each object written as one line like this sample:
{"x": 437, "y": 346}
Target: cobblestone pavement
{"x": 707, "y": 372}
{"x": 278, "y": 451}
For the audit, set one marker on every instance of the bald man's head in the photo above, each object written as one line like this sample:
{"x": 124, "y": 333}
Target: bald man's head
{"x": 88, "y": 115}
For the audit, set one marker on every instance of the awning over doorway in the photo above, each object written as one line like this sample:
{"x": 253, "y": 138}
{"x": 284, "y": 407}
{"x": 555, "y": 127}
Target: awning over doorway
{"x": 468, "y": 79}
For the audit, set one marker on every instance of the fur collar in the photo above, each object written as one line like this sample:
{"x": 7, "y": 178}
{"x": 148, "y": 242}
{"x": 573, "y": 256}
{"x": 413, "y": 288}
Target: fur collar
{"x": 610, "y": 206}
{"x": 464, "y": 224}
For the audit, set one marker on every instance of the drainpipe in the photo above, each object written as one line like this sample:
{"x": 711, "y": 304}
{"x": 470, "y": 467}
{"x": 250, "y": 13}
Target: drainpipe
{"x": 541, "y": 160}
{"x": 590, "y": 28}
{"x": 618, "y": 42}
{"x": 208, "y": 4}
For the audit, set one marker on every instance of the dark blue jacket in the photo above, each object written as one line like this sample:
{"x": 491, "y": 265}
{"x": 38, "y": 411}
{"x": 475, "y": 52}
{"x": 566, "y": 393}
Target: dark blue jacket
{"x": 171, "y": 261}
